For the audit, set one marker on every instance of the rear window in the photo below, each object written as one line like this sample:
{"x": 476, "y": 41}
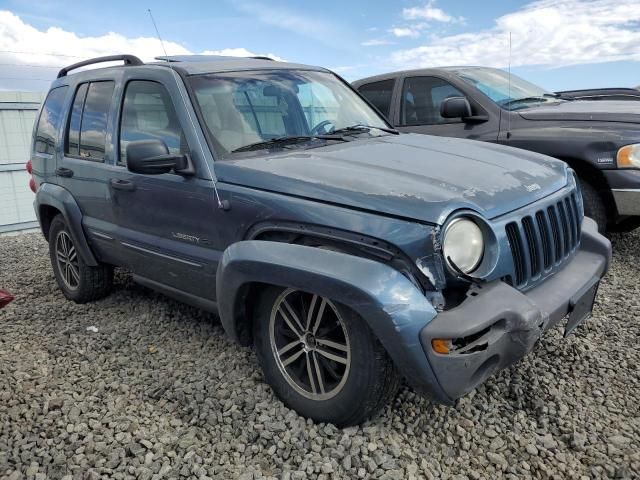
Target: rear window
{"x": 379, "y": 94}
{"x": 49, "y": 121}
{"x": 87, "y": 131}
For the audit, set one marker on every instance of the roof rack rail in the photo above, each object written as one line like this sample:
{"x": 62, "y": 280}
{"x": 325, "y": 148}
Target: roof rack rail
{"x": 127, "y": 59}
{"x": 262, "y": 57}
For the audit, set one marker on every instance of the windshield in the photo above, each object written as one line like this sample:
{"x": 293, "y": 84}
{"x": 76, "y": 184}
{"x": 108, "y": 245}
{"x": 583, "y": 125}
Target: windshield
{"x": 243, "y": 109}
{"x": 512, "y": 95}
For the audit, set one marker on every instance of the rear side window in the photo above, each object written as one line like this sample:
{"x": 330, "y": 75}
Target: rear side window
{"x": 49, "y": 121}
{"x": 148, "y": 113}
{"x": 87, "y": 131}
{"x": 379, "y": 94}
{"x": 422, "y": 98}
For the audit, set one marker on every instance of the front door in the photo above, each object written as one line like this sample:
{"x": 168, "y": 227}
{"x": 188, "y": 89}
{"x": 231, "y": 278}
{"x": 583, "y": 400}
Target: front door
{"x": 166, "y": 222}
{"x": 419, "y": 111}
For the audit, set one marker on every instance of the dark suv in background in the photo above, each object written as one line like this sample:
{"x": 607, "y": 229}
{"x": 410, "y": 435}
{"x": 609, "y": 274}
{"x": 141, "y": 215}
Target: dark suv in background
{"x": 347, "y": 254}
{"x": 599, "y": 139}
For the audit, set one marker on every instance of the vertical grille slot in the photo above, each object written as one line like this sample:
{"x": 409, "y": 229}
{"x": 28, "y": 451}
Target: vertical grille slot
{"x": 572, "y": 220}
{"x": 532, "y": 244}
{"x": 576, "y": 213}
{"x": 517, "y": 251}
{"x": 545, "y": 235}
{"x": 564, "y": 229}
{"x": 555, "y": 231}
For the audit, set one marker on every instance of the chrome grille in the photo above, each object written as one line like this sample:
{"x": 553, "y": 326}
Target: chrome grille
{"x": 543, "y": 239}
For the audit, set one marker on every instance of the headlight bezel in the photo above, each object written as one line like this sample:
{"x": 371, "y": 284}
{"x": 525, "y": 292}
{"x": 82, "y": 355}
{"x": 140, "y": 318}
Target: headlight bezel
{"x": 490, "y": 255}
{"x": 628, "y": 156}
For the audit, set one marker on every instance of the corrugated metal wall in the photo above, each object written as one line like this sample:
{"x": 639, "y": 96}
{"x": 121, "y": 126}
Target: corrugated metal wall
{"x": 17, "y": 115}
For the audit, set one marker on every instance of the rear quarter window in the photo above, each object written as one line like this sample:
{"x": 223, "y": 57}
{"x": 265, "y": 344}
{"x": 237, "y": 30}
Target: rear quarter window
{"x": 379, "y": 94}
{"x": 49, "y": 121}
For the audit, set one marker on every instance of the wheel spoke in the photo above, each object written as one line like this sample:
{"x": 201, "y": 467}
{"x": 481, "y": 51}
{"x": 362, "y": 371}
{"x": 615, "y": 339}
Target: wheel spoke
{"x": 67, "y": 274}
{"x": 288, "y": 347}
{"x": 294, "y": 315}
{"x": 332, "y": 356}
{"x": 74, "y": 273}
{"x": 310, "y": 373}
{"x": 314, "y": 299}
{"x": 318, "y": 372}
{"x": 318, "y": 320}
{"x": 295, "y": 325}
{"x": 61, "y": 257}
{"x": 72, "y": 253}
{"x": 292, "y": 358}
{"x": 332, "y": 344}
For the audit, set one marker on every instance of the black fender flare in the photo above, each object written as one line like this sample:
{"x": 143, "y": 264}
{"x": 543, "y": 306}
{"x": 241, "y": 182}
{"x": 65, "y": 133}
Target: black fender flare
{"x": 395, "y": 310}
{"x": 59, "y": 198}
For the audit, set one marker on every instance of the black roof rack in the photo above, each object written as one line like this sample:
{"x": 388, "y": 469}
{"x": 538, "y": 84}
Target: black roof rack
{"x": 262, "y": 57}
{"x": 127, "y": 59}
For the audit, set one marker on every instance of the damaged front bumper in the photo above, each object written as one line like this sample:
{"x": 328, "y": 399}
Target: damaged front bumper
{"x": 497, "y": 324}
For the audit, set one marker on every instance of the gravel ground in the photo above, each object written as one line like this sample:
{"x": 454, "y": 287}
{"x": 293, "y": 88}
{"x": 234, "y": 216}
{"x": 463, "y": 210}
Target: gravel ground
{"x": 159, "y": 392}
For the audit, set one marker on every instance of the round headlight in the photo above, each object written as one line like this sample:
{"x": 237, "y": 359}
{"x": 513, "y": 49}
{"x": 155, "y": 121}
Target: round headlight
{"x": 464, "y": 244}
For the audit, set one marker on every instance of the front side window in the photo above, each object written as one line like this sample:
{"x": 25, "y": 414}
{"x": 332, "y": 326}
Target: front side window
{"x": 379, "y": 94}
{"x": 243, "y": 108}
{"x": 148, "y": 113}
{"x": 49, "y": 121}
{"x": 87, "y": 129}
{"x": 508, "y": 91}
{"x": 422, "y": 98}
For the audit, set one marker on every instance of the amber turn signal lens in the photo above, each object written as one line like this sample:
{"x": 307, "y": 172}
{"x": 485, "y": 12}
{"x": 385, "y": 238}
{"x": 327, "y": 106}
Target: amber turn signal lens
{"x": 629, "y": 157}
{"x": 441, "y": 345}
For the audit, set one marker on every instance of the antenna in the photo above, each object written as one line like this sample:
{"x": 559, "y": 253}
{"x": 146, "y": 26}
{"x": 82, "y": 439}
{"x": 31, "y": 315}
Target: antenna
{"x": 509, "y": 112}
{"x": 222, "y": 204}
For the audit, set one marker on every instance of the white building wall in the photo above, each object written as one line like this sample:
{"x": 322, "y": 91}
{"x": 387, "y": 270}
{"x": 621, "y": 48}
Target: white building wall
{"x": 18, "y": 112}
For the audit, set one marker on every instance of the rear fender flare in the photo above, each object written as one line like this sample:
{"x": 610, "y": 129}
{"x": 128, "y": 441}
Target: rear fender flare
{"x": 392, "y": 306}
{"x": 59, "y": 198}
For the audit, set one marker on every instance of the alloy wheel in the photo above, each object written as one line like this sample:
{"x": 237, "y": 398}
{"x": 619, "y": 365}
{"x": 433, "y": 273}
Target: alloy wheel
{"x": 310, "y": 343}
{"x": 67, "y": 258}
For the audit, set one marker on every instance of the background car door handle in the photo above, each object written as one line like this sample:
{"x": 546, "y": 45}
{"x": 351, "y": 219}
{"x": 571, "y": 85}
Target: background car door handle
{"x": 125, "y": 185}
{"x": 64, "y": 172}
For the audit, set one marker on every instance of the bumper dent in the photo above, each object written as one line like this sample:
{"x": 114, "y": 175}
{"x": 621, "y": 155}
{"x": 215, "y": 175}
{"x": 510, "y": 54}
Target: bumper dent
{"x": 497, "y": 324}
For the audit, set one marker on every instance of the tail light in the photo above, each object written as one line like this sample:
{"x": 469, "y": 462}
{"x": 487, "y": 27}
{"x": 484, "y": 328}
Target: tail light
{"x": 5, "y": 298}
{"x": 32, "y": 182}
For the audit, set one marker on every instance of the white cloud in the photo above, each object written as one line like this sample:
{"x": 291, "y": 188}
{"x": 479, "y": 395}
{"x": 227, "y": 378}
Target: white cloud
{"x": 30, "y": 46}
{"x": 376, "y": 43}
{"x": 428, "y": 12}
{"x": 545, "y": 32}
{"x": 405, "y": 32}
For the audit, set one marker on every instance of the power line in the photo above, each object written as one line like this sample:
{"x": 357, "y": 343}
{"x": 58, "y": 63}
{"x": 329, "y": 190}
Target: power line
{"x": 23, "y": 78}
{"x": 30, "y": 65}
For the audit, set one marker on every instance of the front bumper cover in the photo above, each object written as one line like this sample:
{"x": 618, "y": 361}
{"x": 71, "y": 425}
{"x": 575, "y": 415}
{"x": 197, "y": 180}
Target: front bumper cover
{"x": 498, "y": 324}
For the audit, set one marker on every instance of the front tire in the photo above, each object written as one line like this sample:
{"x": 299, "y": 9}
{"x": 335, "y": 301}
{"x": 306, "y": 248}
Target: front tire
{"x": 77, "y": 280}
{"x": 593, "y": 205}
{"x": 321, "y": 358}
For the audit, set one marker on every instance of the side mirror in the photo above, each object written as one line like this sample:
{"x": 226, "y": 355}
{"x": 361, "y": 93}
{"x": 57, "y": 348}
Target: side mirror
{"x": 455, "y": 107}
{"x": 152, "y": 157}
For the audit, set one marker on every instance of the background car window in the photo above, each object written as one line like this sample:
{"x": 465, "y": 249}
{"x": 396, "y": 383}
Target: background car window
{"x": 49, "y": 121}
{"x": 379, "y": 94}
{"x": 75, "y": 120}
{"x": 93, "y": 124}
{"x": 147, "y": 113}
{"x": 421, "y": 100}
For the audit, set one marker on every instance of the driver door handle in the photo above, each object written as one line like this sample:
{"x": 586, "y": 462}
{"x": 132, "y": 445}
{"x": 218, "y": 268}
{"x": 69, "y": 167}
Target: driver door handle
{"x": 125, "y": 185}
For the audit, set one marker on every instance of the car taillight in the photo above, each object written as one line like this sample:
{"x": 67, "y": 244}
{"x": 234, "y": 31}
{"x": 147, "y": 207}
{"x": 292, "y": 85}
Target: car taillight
{"x": 32, "y": 182}
{"x": 5, "y": 298}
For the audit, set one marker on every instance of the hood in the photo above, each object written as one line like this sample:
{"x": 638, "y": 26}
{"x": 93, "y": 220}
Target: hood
{"x": 412, "y": 176}
{"x": 585, "y": 110}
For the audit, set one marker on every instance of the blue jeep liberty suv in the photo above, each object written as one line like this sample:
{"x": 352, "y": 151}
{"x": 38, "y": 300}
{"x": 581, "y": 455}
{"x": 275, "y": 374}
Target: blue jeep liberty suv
{"x": 348, "y": 255}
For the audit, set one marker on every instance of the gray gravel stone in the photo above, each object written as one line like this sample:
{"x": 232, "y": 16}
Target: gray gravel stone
{"x": 75, "y": 404}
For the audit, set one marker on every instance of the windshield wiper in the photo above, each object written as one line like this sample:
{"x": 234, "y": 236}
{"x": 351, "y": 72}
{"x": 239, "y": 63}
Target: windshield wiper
{"x": 361, "y": 127}
{"x": 541, "y": 98}
{"x": 286, "y": 140}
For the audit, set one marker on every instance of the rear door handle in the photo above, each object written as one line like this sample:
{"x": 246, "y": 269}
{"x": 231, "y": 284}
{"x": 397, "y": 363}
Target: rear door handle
{"x": 64, "y": 172}
{"x": 119, "y": 184}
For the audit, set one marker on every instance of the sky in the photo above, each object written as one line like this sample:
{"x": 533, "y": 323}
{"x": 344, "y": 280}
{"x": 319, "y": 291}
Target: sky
{"x": 559, "y": 44}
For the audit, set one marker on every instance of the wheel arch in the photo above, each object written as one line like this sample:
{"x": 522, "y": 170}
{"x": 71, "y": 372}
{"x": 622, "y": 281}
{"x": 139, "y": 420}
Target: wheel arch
{"x": 391, "y": 305}
{"x": 52, "y": 200}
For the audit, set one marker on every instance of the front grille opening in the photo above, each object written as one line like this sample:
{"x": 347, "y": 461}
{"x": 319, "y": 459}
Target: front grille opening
{"x": 545, "y": 236}
{"x": 517, "y": 251}
{"x": 555, "y": 231}
{"x": 565, "y": 228}
{"x": 532, "y": 244}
